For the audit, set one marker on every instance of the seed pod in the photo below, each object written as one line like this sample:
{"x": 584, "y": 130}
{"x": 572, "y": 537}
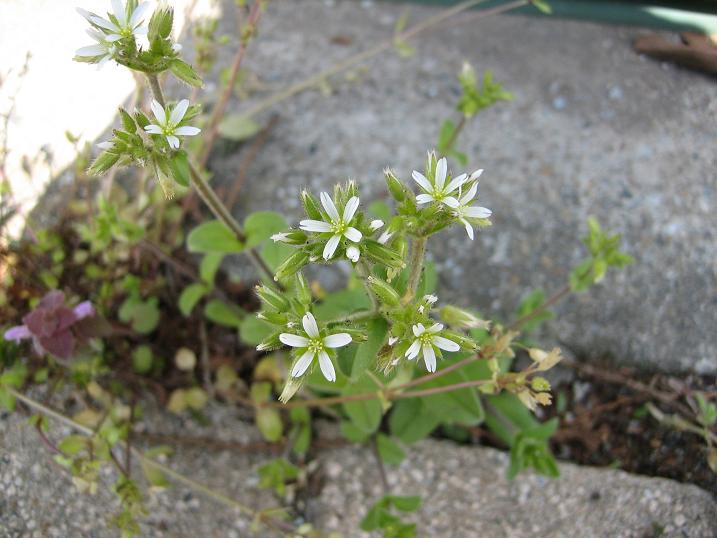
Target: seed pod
{"x": 292, "y": 264}
{"x": 382, "y": 254}
{"x": 397, "y": 189}
{"x": 275, "y": 318}
{"x": 384, "y": 291}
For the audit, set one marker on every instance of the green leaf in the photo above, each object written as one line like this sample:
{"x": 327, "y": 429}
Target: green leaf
{"x": 143, "y": 315}
{"x": 220, "y": 313}
{"x": 153, "y": 474}
{"x": 238, "y": 127}
{"x": 410, "y": 421}
{"x": 269, "y": 423}
{"x": 461, "y": 406}
{"x": 260, "y": 226}
{"x": 209, "y": 265}
{"x": 142, "y": 359}
{"x": 276, "y": 474}
{"x": 190, "y": 297}
{"x": 253, "y": 330}
{"x": 184, "y": 72}
{"x": 7, "y": 400}
{"x": 215, "y": 237}
{"x": 542, "y": 6}
{"x": 353, "y": 433}
{"x": 391, "y": 453}
{"x": 179, "y": 165}
{"x": 366, "y": 352}
{"x": 72, "y": 444}
{"x": 364, "y": 414}
{"x": 275, "y": 254}
{"x": 380, "y": 210}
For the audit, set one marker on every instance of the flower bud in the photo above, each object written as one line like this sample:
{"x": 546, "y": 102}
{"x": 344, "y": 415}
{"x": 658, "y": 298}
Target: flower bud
{"x": 160, "y": 25}
{"x": 272, "y": 298}
{"x": 464, "y": 341}
{"x": 382, "y": 254}
{"x": 270, "y": 343}
{"x": 303, "y": 290}
{"x": 292, "y": 237}
{"x": 275, "y": 318}
{"x": 291, "y": 265}
{"x": 384, "y": 291}
{"x": 311, "y": 206}
{"x": 397, "y": 189}
{"x": 540, "y": 384}
{"x": 457, "y": 317}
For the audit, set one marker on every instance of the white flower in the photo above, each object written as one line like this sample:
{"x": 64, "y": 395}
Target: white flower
{"x": 281, "y": 236}
{"x": 314, "y": 346}
{"x": 392, "y": 340}
{"x": 103, "y": 49}
{"x": 353, "y": 253}
{"x": 122, "y": 26}
{"x": 338, "y": 226}
{"x": 177, "y": 48}
{"x": 439, "y": 191}
{"x": 465, "y": 210}
{"x": 430, "y": 299}
{"x": 375, "y": 224}
{"x": 167, "y": 123}
{"x": 107, "y": 144}
{"x": 427, "y": 340}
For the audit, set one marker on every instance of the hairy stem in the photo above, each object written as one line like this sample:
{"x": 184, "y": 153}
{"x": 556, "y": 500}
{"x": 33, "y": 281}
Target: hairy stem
{"x": 210, "y": 198}
{"x": 418, "y": 252}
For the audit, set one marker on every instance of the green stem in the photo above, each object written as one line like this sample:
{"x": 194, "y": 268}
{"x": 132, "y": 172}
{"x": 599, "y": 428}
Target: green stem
{"x": 363, "y": 271}
{"x": 215, "y": 205}
{"x": 418, "y": 252}
{"x": 452, "y": 140}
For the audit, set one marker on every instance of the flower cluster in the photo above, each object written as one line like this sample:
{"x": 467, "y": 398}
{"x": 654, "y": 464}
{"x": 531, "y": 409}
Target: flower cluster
{"x": 169, "y": 124}
{"x": 126, "y": 21}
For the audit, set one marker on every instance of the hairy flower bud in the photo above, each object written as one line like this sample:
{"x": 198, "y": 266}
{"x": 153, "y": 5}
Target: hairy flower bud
{"x": 457, "y": 317}
{"x": 291, "y": 265}
{"x": 272, "y": 298}
{"x": 384, "y": 291}
{"x": 303, "y": 290}
{"x": 311, "y": 206}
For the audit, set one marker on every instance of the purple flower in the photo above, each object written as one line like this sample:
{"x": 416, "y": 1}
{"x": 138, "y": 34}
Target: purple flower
{"x": 50, "y": 325}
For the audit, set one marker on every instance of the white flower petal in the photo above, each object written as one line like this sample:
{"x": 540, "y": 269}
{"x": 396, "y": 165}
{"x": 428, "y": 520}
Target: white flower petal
{"x": 469, "y": 228}
{"x": 353, "y": 234}
{"x": 337, "y": 340}
{"x": 384, "y": 237}
{"x": 375, "y": 224}
{"x": 187, "y": 130}
{"x": 104, "y": 23}
{"x": 293, "y": 340}
{"x": 91, "y": 50}
{"x": 350, "y": 209}
{"x": 153, "y": 129}
{"x": 330, "y": 247}
{"x": 138, "y": 14}
{"x": 424, "y": 199}
{"x": 310, "y": 326}
{"x": 475, "y": 175}
{"x": 353, "y": 253}
{"x": 470, "y": 194}
{"x": 422, "y": 181}
{"x": 477, "y": 212}
{"x": 419, "y": 329}
{"x": 329, "y": 206}
{"x": 392, "y": 340}
{"x": 302, "y": 364}
{"x": 112, "y": 38}
{"x": 318, "y": 226}
{"x": 327, "y": 367}
{"x": 436, "y": 327}
{"x": 173, "y": 141}
{"x": 412, "y": 351}
{"x": 456, "y": 182}
{"x": 445, "y": 343}
{"x": 450, "y": 202}
{"x": 177, "y": 48}
{"x": 429, "y": 357}
{"x": 179, "y": 111}
{"x": 119, "y": 11}
{"x": 158, "y": 111}
{"x": 441, "y": 171}
{"x": 105, "y": 145}
{"x": 86, "y": 14}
